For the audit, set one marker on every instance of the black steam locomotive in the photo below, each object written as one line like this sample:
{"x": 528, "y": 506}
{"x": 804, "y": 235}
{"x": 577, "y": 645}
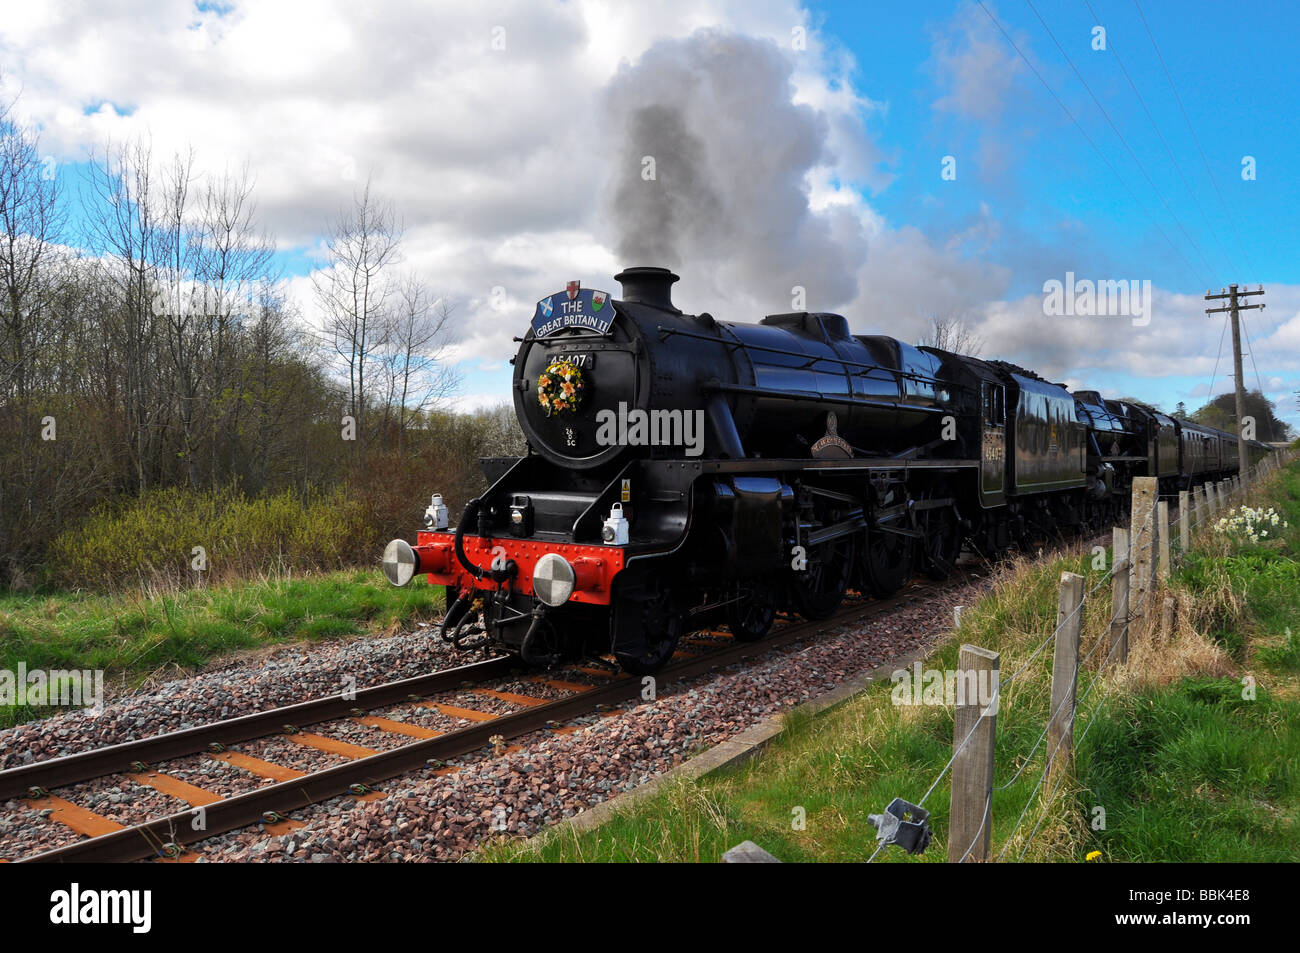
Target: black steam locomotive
{"x": 685, "y": 471}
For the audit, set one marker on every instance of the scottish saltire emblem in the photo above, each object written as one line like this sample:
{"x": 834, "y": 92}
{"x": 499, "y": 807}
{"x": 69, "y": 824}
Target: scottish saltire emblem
{"x": 576, "y": 307}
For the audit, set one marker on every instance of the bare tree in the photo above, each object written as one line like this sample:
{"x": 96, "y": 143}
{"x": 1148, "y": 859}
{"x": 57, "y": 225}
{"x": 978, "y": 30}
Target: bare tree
{"x": 236, "y": 273}
{"x": 177, "y": 304}
{"x": 271, "y": 342}
{"x": 952, "y": 334}
{"x": 418, "y": 333}
{"x": 354, "y": 290}
{"x": 30, "y": 222}
{"x": 124, "y": 230}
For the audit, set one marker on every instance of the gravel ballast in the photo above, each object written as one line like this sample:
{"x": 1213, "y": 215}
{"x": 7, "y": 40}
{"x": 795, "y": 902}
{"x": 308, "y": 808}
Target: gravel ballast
{"x": 441, "y": 816}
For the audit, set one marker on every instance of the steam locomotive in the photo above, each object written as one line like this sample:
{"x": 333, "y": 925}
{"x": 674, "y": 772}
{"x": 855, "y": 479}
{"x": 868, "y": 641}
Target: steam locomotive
{"x": 684, "y": 471}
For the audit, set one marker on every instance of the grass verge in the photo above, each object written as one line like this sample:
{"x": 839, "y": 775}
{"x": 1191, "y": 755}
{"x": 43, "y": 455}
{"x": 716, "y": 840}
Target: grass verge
{"x": 1188, "y": 752}
{"x": 136, "y": 636}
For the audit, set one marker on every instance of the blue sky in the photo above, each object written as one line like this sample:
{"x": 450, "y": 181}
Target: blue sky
{"x": 822, "y": 161}
{"x": 1238, "y": 78}
{"x": 1236, "y": 72}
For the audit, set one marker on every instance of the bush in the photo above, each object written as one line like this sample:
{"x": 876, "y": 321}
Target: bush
{"x": 150, "y": 540}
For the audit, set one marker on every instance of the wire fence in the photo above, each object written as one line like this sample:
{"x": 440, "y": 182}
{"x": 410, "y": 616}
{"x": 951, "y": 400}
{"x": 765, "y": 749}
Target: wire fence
{"x": 1142, "y": 565}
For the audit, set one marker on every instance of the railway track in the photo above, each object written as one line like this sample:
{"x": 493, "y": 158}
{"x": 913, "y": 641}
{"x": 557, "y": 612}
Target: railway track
{"x": 271, "y": 805}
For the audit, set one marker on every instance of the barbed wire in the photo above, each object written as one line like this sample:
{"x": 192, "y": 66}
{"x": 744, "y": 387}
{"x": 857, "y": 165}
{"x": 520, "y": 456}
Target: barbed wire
{"x": 991, "y": 704}
{"x": 1187, "y": 521}
{"x": 1050, "y": 759}
{"x": 984, "y": 819}
{"x": 1101, "y": 640}
{"x": 1097, "y": 709}
{"x": 959, "y": 748}
{"x": 1077, "y": 741}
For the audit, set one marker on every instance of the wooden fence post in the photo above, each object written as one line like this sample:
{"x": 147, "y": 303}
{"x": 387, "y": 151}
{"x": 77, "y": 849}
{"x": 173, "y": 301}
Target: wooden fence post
{"x": 1142, "y": 542}
{"x": 1118, "y": 648}
{"x": 1065, "y": 674}
{"x": 1162, "y": 537}
{"x": 971, "y": 825}
{"x": 1186, "y": 517}
{"x": 1202, "y": 506}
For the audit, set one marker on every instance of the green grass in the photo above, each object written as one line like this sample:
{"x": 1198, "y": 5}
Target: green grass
{"x": 1184, "y": 766}
{"x": 1196, "y": 773}
{"x": 133, "y": 636}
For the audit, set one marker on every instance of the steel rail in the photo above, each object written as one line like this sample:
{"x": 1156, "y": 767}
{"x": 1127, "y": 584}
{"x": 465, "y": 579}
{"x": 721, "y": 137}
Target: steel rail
{"x": 119, "y": 758}
{"x": 148, "y": 839}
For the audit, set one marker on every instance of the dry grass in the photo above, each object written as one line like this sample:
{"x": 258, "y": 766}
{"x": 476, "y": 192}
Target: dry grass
{"x": 1158, "y": 657}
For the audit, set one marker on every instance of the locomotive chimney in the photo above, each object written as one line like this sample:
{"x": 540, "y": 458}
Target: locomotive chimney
{"x": 645, "y": 285}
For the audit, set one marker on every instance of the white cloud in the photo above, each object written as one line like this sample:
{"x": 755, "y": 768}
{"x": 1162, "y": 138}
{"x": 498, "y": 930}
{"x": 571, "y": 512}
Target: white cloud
{"x": 978, "y": 71}
{"x": 497, "y": 158}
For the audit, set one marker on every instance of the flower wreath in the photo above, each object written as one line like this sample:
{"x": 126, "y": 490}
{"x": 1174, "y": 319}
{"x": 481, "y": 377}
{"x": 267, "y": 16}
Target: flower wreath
{"x": 560, "y": 387}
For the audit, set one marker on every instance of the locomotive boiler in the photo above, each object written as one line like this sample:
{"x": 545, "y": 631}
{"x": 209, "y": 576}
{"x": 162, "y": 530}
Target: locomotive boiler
{"x": 684, "y": 470}
{"x": 762, "y": 389}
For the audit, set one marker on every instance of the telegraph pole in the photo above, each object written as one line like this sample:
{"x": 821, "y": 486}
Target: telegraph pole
{"x": 1243, "y": 458}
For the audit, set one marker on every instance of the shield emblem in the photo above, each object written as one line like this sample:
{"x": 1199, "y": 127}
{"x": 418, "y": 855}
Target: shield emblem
{"x": 546, "y": 306}
{"x": 572, "y": 289}
{"x": 598, "y": 300}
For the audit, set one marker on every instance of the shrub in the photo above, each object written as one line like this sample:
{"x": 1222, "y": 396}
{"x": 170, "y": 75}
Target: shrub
{"x": 150, "y": 540}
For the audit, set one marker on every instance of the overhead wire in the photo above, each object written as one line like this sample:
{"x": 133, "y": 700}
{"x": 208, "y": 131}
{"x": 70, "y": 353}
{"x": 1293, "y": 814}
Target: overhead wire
{"x": 1195, "y": 138}
{"x": 1087, "y": 137}
{"x": 1114, "y": 51}
{"x": 1133, "y": 155}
